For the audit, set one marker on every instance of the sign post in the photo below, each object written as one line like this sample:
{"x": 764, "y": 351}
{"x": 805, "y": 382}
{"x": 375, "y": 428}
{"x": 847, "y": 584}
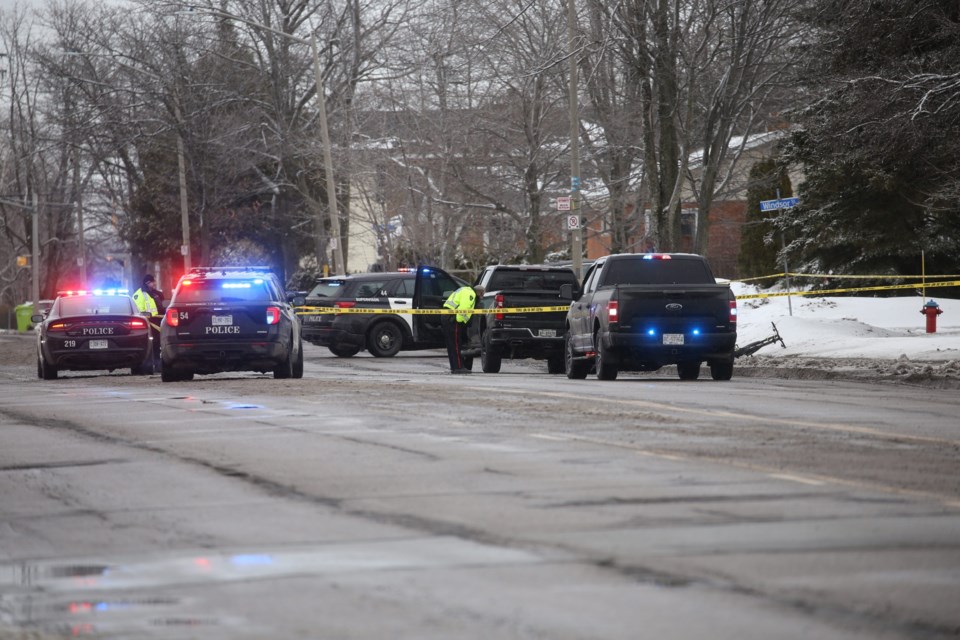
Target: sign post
{"x": 774, "y": 205}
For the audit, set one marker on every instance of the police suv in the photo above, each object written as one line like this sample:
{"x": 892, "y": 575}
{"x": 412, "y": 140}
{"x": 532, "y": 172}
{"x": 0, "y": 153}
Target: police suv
{"x": 230, "y": 319}
{"x": 373, "y": 318}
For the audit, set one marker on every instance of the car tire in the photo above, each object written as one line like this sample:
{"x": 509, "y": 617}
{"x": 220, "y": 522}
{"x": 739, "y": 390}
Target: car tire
{"x": 384, "y": 339}
{"x": 343, "y": 352}
{"x": 44, "y": 370}
{"x": 606, "y": 370}
{"x": 576, "y": 369}
{"x": 168, "y": 375}
{"x": 721, "y": 370}
{"x": 688, "y": 370}
{"x": 285, "y": 369}
{"x": 298, "y": 363}
{"x": 490, "y": 358}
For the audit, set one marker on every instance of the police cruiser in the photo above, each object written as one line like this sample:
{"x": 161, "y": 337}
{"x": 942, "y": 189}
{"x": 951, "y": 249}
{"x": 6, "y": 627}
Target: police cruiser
{"x": 374, "y": 318}
{"x": 230, "y": 319}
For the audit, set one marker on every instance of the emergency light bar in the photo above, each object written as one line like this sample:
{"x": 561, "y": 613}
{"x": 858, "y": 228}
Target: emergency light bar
{"x": 96, "y": 292}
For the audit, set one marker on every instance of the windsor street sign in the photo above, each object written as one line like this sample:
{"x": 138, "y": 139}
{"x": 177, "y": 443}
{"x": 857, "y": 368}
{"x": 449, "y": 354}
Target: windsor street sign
{"x": 782, "y": 203}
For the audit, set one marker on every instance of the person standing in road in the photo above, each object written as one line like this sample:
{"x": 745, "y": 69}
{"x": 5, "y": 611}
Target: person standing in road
{"x": 463, "y": 301}
{"x": 149, "y": 299}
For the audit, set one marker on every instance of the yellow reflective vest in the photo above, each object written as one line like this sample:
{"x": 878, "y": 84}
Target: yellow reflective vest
{"x": 145, "y": 302}
{"x": 462, "y": 299}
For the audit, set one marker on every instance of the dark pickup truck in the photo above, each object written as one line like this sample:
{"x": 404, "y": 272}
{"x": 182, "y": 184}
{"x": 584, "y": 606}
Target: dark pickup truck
{"x": 639, "y": 312}
{"x": 522, "y": 334}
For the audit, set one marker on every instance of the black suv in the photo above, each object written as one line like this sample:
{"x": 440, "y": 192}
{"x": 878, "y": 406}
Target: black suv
{"x": 230, "y": 319}
{"x": 373, "y": 317}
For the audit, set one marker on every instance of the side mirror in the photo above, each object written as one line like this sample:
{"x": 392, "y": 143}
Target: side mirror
{"x": 298, "y": 301}
{"x": 36, "y": 318}
{"x": 566, "y": 292}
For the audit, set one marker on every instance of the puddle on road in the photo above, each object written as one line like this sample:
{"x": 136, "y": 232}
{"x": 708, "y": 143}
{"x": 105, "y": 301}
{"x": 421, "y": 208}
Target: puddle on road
{"x": 130, "y": 598}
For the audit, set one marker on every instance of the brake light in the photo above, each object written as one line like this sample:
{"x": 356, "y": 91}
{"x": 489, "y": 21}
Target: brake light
{"x": 57, "y": 326}
{"x": 498, "y": 303}
{"x": 172, "y": 317}
{"x": 344, "y": 305}
{"x": 733, "y": 312}
{"x": 613, "y": 311}
{"x": 273, "y": 315}
{"x": 187, "y": 283}
{"x": 137, "y": 323}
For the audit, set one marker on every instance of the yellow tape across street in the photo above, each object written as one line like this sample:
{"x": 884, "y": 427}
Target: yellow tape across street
{"x": 823, "y": 292}
{"x": 426, "y": 312}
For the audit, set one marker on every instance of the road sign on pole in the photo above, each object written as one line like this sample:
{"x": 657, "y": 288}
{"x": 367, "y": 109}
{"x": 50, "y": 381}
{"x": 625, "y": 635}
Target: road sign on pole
{"x": 563, "y": 203}
{"x": 573, "y": 222}
{"x": 781, "y": 203}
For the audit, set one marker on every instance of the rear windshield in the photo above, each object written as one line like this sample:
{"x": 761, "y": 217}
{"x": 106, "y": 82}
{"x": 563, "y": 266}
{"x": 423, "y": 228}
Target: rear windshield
{"x": 367, "y": 288}
{"x": 96, "y": 305}
{"x": 503, "y": 279}
{"x": 326, "y": 289}
{"x": 675, "y": 271}
{"x": 223, "y": 291}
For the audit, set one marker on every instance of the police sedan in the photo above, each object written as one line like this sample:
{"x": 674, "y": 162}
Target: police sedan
{"x": 93, "y": 330}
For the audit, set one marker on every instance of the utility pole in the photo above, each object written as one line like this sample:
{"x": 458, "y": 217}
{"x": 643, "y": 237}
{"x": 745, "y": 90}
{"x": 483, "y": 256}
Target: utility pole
{"x": 339, "y": 264}
{"x": 35, "y": 251}
{"x": 576, "y": 235}
{"x": 182, "y": 177}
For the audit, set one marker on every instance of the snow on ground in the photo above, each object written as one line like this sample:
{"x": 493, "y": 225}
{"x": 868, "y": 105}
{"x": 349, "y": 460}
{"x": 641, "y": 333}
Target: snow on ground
{"x": 849, "y": 327}
{"x": 847, "y": 336}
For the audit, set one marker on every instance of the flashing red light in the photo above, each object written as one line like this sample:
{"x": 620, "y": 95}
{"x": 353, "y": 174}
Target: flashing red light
{"x": 657, "y": 256}
{"x": 498, "y": 303}
{"x": 613, "y": 311}
{"x": 137, "y": 323}
{"x": 733, "y": 312}
{"x": 273, "y": 315}
{"x": 187, "y": 283}
{"x": 172, "y": 317}
{"x": 344, "y": 305}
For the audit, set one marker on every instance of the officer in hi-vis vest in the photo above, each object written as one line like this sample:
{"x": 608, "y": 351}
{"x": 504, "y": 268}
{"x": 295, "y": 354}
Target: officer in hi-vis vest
{"x": 149, "y": 299}
{"x": 455, "y": 325}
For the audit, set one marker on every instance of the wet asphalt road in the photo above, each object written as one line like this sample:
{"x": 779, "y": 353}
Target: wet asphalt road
{"x": 388, "y": 499}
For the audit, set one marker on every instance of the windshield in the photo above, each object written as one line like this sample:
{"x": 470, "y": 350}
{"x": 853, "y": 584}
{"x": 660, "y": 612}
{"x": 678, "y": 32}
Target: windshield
{"x": 225, "y": 290}
{"x": 96, "y": 305}
{"x": 326, "y": 289}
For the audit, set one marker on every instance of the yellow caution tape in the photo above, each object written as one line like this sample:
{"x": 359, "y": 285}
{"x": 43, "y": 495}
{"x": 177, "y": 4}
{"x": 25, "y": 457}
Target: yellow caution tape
{"x": 838, "y": 276}
{"x": 426, "y": 312}
{"x": 824, "y": 292}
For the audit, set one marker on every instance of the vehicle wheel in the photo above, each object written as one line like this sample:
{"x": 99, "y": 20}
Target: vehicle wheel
{"x": 384, "y": 339}
{"x": 298, "y": 363}
{"x": 45, "y": 371}
{"x": 490, "y": 358}
{"x": 606, "y": 370}
{"x": 576, "y": 369}
{"x": 688, "y": 370}
{"x": 555, "y": 364}
{"x": 169, "y": 375}
{"x": 721, "y": 370}
{"x": 344, "y": 352}
{"x": 285, "y": 369}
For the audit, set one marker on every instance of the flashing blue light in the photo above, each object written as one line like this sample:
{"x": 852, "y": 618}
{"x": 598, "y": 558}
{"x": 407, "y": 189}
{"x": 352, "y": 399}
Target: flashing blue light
{"x": 696, "y": 332}
{"x": 236, "y": 285}
{"x": 648, "y": 257}
{"x": 426, "y": 270}
{"x": 651, "y": 332}
{"x": 258, "y": 281}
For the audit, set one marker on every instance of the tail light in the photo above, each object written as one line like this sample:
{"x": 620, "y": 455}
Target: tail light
{"x": 344, "y": 305}
{"x": 613, "y": 311}
{"x": 57, "y": 326}
{"x": 136, "y": 323}
{"x": 498, "y": 303}
{"x": 273, "y": 315}
{"x": 172, "y": 317}
{"x": 733, "y": 312}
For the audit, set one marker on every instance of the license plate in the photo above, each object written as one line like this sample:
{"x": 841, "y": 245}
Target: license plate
{"x": 547, "y": 333}
{"x": 220, "y": 321}
{"x": 673, "y": 338}
{"x": 98, "y": 344}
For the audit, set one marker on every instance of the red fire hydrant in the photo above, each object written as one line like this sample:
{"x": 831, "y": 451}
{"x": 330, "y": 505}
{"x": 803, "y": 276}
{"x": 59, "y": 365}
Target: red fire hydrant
{"x": 931, "y": 310}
